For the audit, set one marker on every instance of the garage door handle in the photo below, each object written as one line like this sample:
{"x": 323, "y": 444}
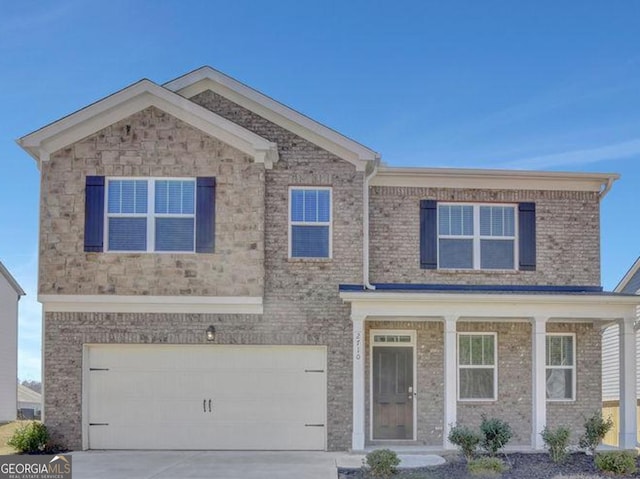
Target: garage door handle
{"x": 204, "y": 405}
{"x": 209, "y": 405}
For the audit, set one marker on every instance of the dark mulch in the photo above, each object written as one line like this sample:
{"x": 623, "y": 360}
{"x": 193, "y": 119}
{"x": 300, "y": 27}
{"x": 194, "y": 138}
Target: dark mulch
{"x": 521, "y": 466}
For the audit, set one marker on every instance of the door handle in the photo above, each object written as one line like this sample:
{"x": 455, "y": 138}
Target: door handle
{"x": 209, "y": 405}
{"x": 204, "y": 405}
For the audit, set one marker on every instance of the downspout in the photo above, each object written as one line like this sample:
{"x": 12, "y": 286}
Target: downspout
{"x": 607, "y": 187}
{"x": 365, "y": 228}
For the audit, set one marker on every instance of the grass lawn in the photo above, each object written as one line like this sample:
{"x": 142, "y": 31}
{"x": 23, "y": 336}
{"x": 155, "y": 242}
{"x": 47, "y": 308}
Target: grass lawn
{"x": 6, "y": 431}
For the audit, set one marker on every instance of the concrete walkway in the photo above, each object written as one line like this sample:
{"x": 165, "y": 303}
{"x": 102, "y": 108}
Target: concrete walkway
{"x": 204, "y": 464}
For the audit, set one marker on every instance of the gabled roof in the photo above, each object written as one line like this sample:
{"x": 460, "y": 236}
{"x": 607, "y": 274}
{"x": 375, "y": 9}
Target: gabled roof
{"x": 11, "y": 280}
{"x": 28, "y": 395}
{"x": 43, "y": 142}
{"x": 630, "y": 283}
{"x": 206, "y": 78}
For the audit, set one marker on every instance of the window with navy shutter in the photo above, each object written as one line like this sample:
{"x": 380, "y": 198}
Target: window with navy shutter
{"x": 477, "y": 236}
{"x": 150, "y": 215}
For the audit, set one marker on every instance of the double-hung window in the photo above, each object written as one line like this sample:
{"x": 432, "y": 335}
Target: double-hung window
{"x": 561, "y": 367}
{"x": 476, "y": 236}
{"x": 310, "y": 222}
{"x": 477, "y": 359}
{"x": 150, "y": 214}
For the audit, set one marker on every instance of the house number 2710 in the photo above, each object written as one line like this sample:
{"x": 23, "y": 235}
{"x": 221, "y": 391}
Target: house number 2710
{"x": 358, "y": 343}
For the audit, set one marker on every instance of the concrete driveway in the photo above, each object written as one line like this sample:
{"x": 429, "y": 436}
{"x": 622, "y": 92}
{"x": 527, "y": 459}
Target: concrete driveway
{"x": 204, "y": 464}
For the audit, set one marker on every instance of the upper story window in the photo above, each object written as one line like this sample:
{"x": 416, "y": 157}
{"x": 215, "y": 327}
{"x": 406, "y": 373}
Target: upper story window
{"x": 477, "y": 359}
{"x": 561, "y": 367}
{"x": 150, "y": 214}
{"x": 310, "y": 222}
{"x": 476, "y": 236}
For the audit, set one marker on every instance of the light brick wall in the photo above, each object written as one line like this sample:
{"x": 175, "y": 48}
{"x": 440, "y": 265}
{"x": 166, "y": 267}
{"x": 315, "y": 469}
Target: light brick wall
{"x": 301, "y": 302}
{"x": 588, "y": 379}
{"x": 568, "y": 237}
{"x": 152, "y": 143}
{"x": 514, "y": 380}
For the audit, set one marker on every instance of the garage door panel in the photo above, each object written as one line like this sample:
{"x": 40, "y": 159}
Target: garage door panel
{"x": 157, "y": 397}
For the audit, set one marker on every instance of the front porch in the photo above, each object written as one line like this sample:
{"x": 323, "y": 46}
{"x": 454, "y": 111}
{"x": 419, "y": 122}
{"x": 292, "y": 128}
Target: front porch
{"x": 393, "y": 326}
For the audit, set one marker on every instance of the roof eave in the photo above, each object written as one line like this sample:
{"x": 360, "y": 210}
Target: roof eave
{"x": 11, "y": 280}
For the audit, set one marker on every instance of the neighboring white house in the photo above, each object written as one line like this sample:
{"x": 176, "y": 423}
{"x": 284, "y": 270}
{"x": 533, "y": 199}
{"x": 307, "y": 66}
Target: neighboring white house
{"x": 29, "y": 402}
{"x": 629, "y": 284}
{"x": 10, "y": 292}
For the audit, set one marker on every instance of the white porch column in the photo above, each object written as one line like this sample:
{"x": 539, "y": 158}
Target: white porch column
{"x": 357, "y": 440}
{"x": 539, "y": 375}
{"x": 628, "y": 427}
{"x": 450, "y": 379}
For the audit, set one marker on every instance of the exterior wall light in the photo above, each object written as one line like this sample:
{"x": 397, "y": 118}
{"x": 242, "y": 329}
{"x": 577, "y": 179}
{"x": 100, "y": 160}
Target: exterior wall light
{"x": 211, "y": 333}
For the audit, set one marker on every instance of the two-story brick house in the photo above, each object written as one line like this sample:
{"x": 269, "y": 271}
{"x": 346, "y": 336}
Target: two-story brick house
{"x": 218, "y": 271}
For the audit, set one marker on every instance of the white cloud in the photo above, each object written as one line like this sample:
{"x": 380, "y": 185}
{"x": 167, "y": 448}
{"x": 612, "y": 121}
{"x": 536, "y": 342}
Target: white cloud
{"x": 616, "y": 151}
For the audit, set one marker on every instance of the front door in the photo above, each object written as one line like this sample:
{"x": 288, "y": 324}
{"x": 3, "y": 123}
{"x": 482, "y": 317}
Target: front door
{"x": 392, "y": 392}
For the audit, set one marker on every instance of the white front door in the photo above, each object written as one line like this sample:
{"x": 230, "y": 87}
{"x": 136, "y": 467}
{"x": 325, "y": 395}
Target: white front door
{"x": 206, "y": 397}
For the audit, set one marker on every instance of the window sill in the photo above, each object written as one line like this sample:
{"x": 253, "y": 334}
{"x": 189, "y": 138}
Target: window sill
{"x": 309, "y": 260}
{"x": 480, "y": 402}
{"x": 478, "y": 271}
{"x": 561, "y": 401}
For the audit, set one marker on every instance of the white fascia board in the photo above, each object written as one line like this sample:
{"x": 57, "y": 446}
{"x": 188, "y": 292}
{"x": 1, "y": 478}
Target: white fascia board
{"x": 151, "y": 304}
{"x": 493, "y": 179}
{"x": 490, "y": 306}
{"x": 11, "y": 280}
{"x": 207, "y": 78}
{"x": 627, "y": 277}
{"x": 144, "y": 94}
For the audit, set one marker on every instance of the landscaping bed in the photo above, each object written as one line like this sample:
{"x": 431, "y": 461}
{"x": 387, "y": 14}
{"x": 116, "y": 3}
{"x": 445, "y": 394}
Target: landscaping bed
{"x": 521, "y": 466}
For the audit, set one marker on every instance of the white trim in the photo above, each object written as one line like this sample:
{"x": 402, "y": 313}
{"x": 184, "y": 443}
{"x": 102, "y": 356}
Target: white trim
{"x": 473, "y": 366}
{"x": 85, "y": 396}
{"x": 539, "y": 380}
{"x": 141, "y": 95}
{"x": 329, "y": 223}
{"x": 628, "y": 276}
{"x": 628, "y": 432}
{"x": 11, "y": 280}
{"x": 450, "y": 384}
{"x": 151, "y": 304}
{"x": 358, "y": 432}
{"x": 206, "y": 78}
{"x": 565, "y": 307}
{"x": 493, "y": 179}
{"x": 573, "y": 367}
{"x": 414, "y": 402}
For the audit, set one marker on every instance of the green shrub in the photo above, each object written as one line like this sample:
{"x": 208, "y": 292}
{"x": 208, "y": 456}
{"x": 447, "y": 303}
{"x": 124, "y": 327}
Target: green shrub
{"x": 466, "y": 439}
{"x": 382, "y": 462}
{"x": 30, "y": 438}
{"x": 595, "y": 429}
{"x": 495, "y": 434}
{"x": 617, "y": 462}
{"x": 486, "y": 466}
{"x": 557, "y": 442}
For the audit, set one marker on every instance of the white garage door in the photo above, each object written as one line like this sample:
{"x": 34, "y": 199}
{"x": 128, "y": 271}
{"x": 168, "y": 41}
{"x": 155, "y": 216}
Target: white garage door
{"x": 205, "y": 397}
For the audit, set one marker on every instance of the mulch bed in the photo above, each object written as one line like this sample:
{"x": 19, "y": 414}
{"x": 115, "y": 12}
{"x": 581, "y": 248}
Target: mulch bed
{"x": 521, "y": 466}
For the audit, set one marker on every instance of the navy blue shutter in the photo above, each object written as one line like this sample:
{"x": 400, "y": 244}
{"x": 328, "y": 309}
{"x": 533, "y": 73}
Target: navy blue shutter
{"x": 428, "y": 234}
{"x": 205, "y": 214}
{"x": 94, "y": 214}
{"x": 527, "y": 236}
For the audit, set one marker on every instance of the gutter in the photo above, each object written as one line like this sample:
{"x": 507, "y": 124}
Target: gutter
{"x": 365, "y": 227}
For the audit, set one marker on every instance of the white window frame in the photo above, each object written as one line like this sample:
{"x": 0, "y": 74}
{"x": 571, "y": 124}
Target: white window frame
{"x": 572, "y": 367}
{"x": 483, "y": 366}
{"x": 329, "y": 223}
{"x": 477, "y": 237}
{"x": 150, "y": 215}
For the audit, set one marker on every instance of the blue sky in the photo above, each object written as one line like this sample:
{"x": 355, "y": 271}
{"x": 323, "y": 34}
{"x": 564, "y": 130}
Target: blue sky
{"x": 491, "y": 84}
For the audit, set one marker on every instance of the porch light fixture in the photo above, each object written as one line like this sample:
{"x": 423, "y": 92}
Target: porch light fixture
{"x": 211, "y": 333}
